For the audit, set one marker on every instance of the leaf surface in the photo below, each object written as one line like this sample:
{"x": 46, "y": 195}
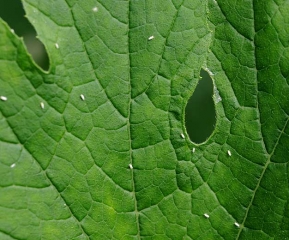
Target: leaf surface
{"x": 94, "y": 148}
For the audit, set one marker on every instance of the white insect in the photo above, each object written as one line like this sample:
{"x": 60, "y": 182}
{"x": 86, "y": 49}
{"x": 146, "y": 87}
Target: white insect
{"x": 194, "y": 149}
{"x": 3, "y": 98}
{"x": 95, "y": 9}
{"x": 12, "y": 30}
{"x": 42, "y": 105}
{"x": 229, "y": 153}
{"x": 237, "y": 224}
{"x": 182, "y": 136}
{"x": 82, "y": 97}
{"x": 13, "y": 165}
{"x": 56, "y": 45}
{"x": 151, "y": 38}
{"x": 130, "y": 166}
{"x": 206, "y": 215}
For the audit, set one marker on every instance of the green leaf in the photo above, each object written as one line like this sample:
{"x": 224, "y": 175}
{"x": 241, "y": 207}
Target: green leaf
{"x": 94, "y": 148}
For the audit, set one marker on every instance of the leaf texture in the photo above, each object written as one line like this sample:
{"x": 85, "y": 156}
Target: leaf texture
{"x": 96, "y": 147}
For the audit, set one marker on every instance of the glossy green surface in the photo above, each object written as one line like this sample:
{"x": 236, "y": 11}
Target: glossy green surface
{"x": 96, "y": 148}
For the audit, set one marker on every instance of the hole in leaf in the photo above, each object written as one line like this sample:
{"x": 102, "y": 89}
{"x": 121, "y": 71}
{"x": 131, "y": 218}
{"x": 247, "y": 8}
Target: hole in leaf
{"x": 200, "y": 115}
{"x": 13, "y": 13}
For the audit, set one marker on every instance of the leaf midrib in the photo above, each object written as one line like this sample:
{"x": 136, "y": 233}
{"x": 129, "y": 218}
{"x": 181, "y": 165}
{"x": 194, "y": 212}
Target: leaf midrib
{"x": 261, "y": 132}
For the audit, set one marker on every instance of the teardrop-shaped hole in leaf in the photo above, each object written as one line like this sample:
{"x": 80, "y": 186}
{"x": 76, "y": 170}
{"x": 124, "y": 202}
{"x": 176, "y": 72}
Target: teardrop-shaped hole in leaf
{"x": 13, "y": 13}
{"x": 200, "y": 117}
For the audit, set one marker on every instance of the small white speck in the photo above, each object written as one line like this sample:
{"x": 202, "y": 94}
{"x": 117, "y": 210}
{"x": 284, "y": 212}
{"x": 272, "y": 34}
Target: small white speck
{"x": 182, "y": 136}
{"x": 12, "y": 30}
{"x": 56, "y": 45}
{"x": 42, "y": 105}
{"x": 130, "y": 166}
{"x": 229, "y": 153}
{"x": 13, "y": 165}
{"x": 206, "y": 215}
{"x": 95, "y": 9}
{"x": 151, "y": 38}
{"x": 3, "y": 98}
{"x": 193, "y": 150}
{"x": 237, "y": 224}
{"x": 82, "y": 97}
{"x": 64, "y": 204}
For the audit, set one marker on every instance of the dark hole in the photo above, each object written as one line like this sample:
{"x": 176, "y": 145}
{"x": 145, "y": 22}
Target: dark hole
{"x": 12, "y": 12}
{"x": 200, "y": 111}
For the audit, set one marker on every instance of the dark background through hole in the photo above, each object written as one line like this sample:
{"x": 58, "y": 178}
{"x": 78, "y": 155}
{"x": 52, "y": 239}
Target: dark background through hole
{"x": 200, "y": 112}
{"x": 11, "y": 11}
